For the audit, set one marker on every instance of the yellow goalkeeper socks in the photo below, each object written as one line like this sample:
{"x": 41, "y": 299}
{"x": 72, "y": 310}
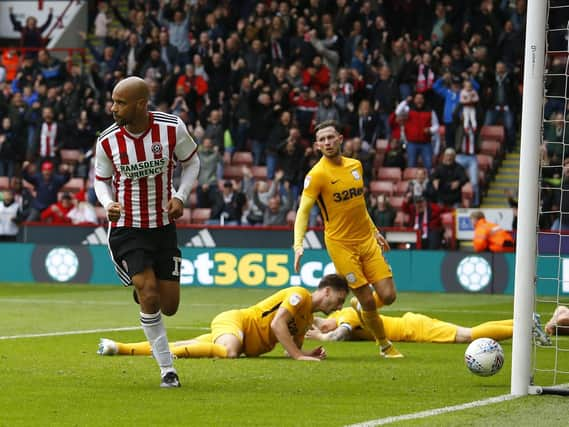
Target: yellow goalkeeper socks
{"x": 200, "y": 349}
{"x": 498, "y": 330}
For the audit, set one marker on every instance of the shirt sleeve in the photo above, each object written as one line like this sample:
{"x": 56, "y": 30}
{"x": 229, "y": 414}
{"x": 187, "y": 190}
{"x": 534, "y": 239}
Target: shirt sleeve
{"x": 103, "y": 164}
{"x": 186, "y": 147}
{"x": 295, "y": 300}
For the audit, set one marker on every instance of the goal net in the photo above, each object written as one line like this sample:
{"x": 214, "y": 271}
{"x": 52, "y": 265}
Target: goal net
{"x": 549, "y": 366}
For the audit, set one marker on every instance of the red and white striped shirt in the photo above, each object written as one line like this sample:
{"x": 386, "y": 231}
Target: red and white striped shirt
{"x": 141, "y": 168}
{"x": 48, "y": 139}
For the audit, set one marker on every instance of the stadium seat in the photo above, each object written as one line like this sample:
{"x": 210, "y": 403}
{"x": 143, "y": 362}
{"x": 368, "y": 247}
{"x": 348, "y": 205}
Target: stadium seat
{"x": 232, "y": 172}
{"x": 410, "y": 173}
{"x": 226, "y": 158}
{"x": 4, "y": 183}
{"x": 396, "y": 201}
{"x": 401, "y": 219}
{"x": 381, "y": 187}
{"x": 381, "y": 145}
{"x": 193, "y": 200}
{"x": 494, "y": 133}
{"x": 491, "y": 147}
{"x": 485, "y": 163}
{"x": 259, "y": 172}
{"x": 467, "y": 195}
{"x": 442, "y": 132}
{"x": 378, "y": 160}
{"x": 401, "y": 188}
{"x": 74, "y": 185}
{"x": 70, "y": 157}
{"x": 242, "y": 158}
{"x": 200, "y": 215}
{"x": 389, "y": 174}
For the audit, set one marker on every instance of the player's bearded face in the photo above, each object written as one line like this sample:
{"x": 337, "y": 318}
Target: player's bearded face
{"x": 329, "y": 141}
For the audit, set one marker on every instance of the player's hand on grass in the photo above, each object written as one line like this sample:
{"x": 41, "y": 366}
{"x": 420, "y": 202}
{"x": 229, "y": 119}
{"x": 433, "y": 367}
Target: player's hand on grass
{"x": 297, "y": 256}
{"x": 318, "y": 352}
{"x": 383, "y": 243}
{"x": 175, "y": 208}
{"x": 114, "y": 211}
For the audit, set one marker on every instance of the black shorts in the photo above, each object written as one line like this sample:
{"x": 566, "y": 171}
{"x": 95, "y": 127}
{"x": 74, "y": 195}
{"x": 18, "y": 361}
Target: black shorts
{"x": 135, "y": 249}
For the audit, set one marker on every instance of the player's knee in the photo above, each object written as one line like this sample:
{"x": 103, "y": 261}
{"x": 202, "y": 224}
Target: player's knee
{"x": 389, "y": 298}
{"x": 169, "y": 309}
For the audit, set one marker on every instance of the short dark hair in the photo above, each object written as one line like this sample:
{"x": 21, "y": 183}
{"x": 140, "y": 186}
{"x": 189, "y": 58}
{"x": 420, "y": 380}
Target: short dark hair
{"x": 328, "y": 123}
{"x": 334, "y": 281}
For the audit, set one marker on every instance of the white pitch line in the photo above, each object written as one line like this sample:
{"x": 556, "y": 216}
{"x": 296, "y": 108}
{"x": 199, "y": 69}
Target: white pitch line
{"x": 432, "y": 412}
{"x": 60, "y": 333}
{"x": 88, "y": 331}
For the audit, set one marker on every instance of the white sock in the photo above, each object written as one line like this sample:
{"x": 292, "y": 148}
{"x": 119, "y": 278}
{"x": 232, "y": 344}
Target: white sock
{"x": 155, "y": 332}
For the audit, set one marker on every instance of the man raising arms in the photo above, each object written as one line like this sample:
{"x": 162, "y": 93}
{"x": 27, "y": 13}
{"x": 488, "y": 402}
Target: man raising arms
{"x": 135, "y": 159}
{"x": 352, "y": 240}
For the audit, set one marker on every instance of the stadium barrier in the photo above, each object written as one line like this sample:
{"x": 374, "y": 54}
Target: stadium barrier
{"x": 414, "y": 270}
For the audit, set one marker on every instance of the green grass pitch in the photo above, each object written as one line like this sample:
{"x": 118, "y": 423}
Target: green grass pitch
{"x": 59, "y": 379}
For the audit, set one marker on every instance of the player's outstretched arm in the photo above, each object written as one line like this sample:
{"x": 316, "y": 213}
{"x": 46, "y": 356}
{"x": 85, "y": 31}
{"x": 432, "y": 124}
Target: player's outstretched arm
{"x": 338, "y": 334}
{"x": 300, "y": 225}
{"x": 279, "y": 326}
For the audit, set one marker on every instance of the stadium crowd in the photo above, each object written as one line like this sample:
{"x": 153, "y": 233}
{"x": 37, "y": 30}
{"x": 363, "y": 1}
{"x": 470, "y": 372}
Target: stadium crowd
{"x": 413, "y": 84}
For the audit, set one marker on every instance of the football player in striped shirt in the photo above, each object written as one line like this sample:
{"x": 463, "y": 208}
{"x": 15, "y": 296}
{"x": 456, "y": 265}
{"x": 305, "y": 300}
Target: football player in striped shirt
{"x": 134, "y": 165}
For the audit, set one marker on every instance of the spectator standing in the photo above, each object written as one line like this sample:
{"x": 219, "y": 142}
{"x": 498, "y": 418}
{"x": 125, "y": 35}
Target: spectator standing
{"x": 8, "y": 148}
{"x": 210, "y": 161}
{"x": 83, "y": 212}
{"x": 278, "y": 136}
{"x": 258, "y": 190}
{"x": 46, "y": 185}
{"x": 448, "y": 179}
{"x": 417, "y": 131}
{"x": 327, "y": 110}
{"x": 448, "y": 88}
{"x": 49, "y": 139}
{"x": 502, "y": 101}
{"x": 9, "y": 210}
{"x": 102, "y": 21}
{"x": 31, "y": 34}
{"x": 385, "y": 93}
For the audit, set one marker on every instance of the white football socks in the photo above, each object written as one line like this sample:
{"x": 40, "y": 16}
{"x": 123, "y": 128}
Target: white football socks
{"x": 155, "y": 332}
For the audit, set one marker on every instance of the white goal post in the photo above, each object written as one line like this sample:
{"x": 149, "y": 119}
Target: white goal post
{"x": 526, "y": 242}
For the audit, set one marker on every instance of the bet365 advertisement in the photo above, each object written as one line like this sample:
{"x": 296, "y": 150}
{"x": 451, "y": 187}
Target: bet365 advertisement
{"x": 418, "y": 271}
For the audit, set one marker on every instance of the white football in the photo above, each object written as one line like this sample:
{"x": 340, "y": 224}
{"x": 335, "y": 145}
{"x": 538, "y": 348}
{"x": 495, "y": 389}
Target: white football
{"x": 484, "y": 357}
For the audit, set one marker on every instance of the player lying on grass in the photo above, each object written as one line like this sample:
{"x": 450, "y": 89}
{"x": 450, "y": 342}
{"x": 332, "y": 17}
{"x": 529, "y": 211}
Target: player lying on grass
{"x": 345, "y": 325}
{"x": 559, "y": 322}
{"x": 283, "y": 317}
